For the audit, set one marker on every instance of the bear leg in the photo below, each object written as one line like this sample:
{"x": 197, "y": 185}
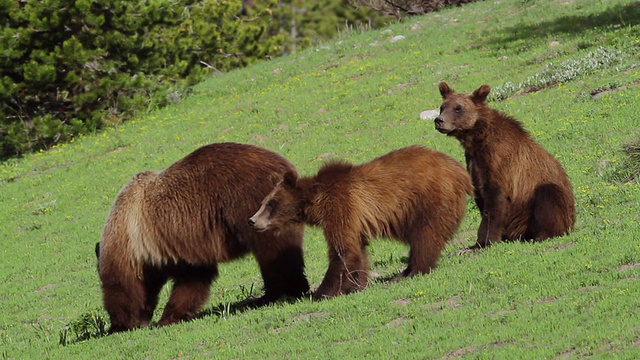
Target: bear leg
{"x": 550, "y": 216}
{"x": 360, "y": 276}
{"x": 491, "y": 228}
{"x": 123, "y": 292}
{"x": 190, "y": 291}
{"x": 125, "y": 303}
{"x": 347, "y": 272}
{"x": 280, "y": 257}
{"x": 426, "y": 244}
{"x": 154, "y": 280}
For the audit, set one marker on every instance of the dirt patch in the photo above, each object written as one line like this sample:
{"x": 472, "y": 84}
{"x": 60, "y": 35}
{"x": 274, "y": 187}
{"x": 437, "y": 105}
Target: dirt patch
{"x": 460, "y": 352}
{"x": 626, "y": 267}
{"x": 452, "y": 302}
{"x": 45, "y": 288}
{"x": 117, "y": 149}
{"x": 472, "y": 348}
{"x": 395, "y": 323}
{"x": 561, "y": 246}
{"x": 599, "y": 92}
{"x": 403, "y": 302}
{"x": 567, "y": 353}
{"x": 631, "y": 278}
{"x": 299, "y": 318}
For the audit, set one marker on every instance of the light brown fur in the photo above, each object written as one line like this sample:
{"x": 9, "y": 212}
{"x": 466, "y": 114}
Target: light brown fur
{"x": 414, "y": 194}
{"x": 179, "y": 223}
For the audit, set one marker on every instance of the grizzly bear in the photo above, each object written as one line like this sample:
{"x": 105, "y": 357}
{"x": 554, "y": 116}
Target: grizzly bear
{"x": 179, "y": 223}
{"x": 521, "y": 190}
{"x": 415, "y": 195}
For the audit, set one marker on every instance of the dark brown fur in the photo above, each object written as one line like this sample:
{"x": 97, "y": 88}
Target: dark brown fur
{"x": 521, "y": 190}
{"x": 414, "y": 194}
{"x": 181, "y": 222}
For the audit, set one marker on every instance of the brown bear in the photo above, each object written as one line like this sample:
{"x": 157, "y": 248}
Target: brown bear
{"x": 521, "y": 190}
{"x": 179, "y": 223}
{"x": 415, "y": 195}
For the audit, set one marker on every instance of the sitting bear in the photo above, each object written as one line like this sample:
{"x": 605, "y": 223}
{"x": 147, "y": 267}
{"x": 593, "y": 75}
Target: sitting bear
{"x": 415, "y": 195}
{"x": 179, "y": 223}
{"x": 521, "y": 190}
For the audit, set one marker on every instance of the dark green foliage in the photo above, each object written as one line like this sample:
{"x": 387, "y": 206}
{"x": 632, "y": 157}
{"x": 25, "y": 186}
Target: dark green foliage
{"x": 400, "y": 8}
{"x": 632, "y": 161}
{"x": 69, "y": 66}
{"x": 89, "y": 325}
{"x": 627, "y": 170}
{"x": 304, "y": 22}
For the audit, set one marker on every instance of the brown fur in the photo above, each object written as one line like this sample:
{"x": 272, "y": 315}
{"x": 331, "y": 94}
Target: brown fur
{"x": 181, "y": 222}
{"x": 521, "y": 190}
{"x": 414, "y": 194}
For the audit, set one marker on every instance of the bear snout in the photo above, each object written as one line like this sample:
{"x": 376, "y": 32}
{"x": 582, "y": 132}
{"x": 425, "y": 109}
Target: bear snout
{"x": 257, "y": 224}
{"x": 440, "y": 125}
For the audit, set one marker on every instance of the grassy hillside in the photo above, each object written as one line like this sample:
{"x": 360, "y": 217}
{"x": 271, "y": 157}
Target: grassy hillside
{"x": 569, "y": 70}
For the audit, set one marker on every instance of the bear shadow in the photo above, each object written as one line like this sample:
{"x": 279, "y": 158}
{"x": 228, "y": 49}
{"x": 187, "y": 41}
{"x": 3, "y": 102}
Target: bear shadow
{"x": 626, "y": 14}
{"x": 225, "y": 309}
{"x": 392, "y": 277}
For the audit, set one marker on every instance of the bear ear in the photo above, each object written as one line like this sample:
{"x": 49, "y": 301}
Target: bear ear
{"x": 290, "y": 179}
{"x": 481, "y": 93}
{"x": 445, "y": 90}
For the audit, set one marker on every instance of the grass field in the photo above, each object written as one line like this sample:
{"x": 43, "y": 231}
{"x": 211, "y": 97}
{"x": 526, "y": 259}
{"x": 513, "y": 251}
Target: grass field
{"x": 568, "y": 69}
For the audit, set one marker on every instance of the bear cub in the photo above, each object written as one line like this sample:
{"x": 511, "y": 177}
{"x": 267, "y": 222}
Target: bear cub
{"x": 521, "y": 190}
{"x": 415, "y": 195}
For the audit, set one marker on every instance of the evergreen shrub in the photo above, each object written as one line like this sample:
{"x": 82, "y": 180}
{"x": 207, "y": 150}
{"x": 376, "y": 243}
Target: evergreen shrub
{"x": 69, "y": 67}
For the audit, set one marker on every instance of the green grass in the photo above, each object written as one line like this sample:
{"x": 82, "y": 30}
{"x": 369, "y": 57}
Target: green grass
{"x": 356, "y": 98}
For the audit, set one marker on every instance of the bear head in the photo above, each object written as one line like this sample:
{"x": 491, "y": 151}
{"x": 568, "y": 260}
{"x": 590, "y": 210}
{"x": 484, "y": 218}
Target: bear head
{"x": 459, "y": 112}
{"x": 281, "y": 208}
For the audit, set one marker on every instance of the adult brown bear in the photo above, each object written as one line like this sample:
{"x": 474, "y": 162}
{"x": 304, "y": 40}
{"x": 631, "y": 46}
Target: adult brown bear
{"x": 181, "y": 222}
{"x": 522, "y": 191}
{"x": 414, "y": 194}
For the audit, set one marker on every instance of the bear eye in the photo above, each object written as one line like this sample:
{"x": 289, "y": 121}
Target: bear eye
{"x": 458, "y": 109}
{"x": 272, "y": 204}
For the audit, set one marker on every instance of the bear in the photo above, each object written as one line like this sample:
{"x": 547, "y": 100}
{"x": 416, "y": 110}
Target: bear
{"x": 179, "y": 223}
{"x": 415, "y": 195}
{"x": 521, "y": 190}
